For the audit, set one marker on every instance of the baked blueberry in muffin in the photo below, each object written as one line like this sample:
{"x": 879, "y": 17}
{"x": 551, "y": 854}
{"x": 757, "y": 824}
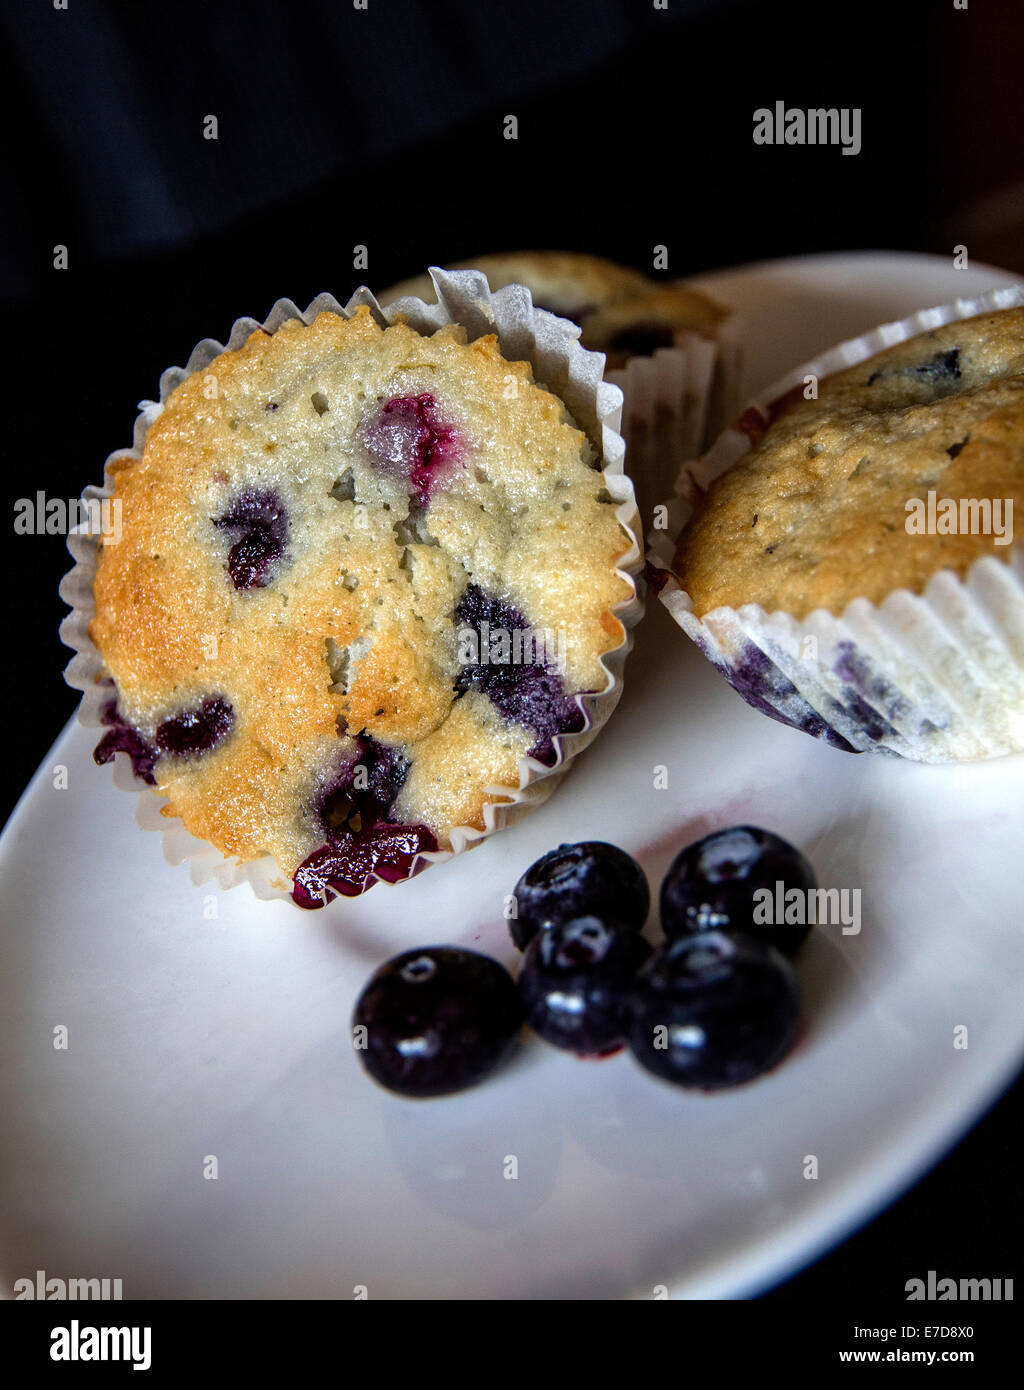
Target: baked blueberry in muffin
{"x": 362, "y": 573}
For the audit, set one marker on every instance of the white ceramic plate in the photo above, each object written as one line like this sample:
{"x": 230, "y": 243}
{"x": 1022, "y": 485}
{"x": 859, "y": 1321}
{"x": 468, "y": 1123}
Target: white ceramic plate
{"x": 205, "y": 1023}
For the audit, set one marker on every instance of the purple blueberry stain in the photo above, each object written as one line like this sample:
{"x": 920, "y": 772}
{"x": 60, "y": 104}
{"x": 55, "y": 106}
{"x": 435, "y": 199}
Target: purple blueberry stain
{"x": 409, "y": 442}
{"x": 752, "y": 674}
{"x": 362, "y": 842}
{"x": 258, "y": 518}
{"x": 527, "y": 692}
{"x": 863, "y": 691}
{"x": 866, "y": 707}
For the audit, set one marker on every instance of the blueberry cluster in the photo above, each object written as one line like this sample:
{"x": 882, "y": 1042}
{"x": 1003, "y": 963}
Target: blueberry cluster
{"x": 714, "y": 1006}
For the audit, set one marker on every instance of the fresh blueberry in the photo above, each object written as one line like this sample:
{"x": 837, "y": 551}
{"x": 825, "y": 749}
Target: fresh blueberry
{"x": 575, "y": 983}
{"x": 259, "y": 518}
{"x": 713, "y": 1010}
{"x": 196, "y": 730}
{"x": 515, "y": 673}
{"x": 577, "y": 880}
{"x": 408, "y": 441}
{"x": 712, "y": 884}
{"x": 436, "y": 1020}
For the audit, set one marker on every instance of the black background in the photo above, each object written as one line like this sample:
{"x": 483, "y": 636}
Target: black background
{"x": 340, "y": 127}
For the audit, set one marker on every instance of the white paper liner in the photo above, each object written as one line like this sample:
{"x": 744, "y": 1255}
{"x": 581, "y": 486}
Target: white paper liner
{"x": 558, "y": 361}
{"x": 676, "y": 401}
{"x": 724, "y": 403}
{"x": 664, "y": 413}
{"x": 935, "y": 677}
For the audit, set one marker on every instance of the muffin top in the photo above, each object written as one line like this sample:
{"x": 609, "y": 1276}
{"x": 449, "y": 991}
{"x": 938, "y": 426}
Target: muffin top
{"x": 323, "y": 535}
{"x": 640, "y": 324}
{"x": 569, "y": 283}
{"x": 622, "y": 312}
{"x": 842, "y": 497}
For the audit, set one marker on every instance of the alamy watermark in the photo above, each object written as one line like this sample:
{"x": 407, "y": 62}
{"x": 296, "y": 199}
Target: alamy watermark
{"x": 834, "y": 125}
{"x": 798, "y": 907}
{"x": 519, "y": 646}
{"x": 960, "y": 516}
{"x": 52, "y": 1288}
{"x": 59, "y": 516}
{"x": 935, "y": 1290}
{"x": 84, "y": 1343}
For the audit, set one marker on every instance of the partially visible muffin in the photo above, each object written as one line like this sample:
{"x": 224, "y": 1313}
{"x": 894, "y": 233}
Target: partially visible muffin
{"x": 362, "y": 572}
{"x": 661, "y": 317}
{"x": 568, "y": 283}
{"x": 622, "y": 312}
{"x": 820, "y": 511}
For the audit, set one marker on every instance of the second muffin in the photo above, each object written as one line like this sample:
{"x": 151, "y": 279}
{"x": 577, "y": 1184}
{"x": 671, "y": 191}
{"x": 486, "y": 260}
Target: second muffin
{"x": 848, "y": 560}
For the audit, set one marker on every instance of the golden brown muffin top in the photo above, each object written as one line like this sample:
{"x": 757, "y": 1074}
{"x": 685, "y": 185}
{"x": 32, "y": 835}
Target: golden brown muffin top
{"x": 308, "y": 519}
{"x": 622, "y": 312}
{"x": 825, "y": 506}
{"x": 569, "y": 283}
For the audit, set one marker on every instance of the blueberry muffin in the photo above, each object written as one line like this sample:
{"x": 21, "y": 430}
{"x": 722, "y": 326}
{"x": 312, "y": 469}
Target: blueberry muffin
{"x": 848, "y": 562}
{"x": 567, "y": 283}
{"x": 832, "y": 502}
{"x": 662, "y": 317}
{"x": 363, "y": 571}
{"x": 622, "y": 312}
